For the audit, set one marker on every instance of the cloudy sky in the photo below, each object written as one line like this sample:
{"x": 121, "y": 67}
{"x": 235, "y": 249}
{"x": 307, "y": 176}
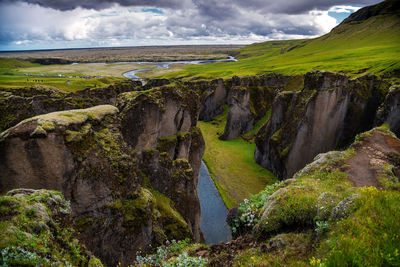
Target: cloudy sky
{"x": 48, "y": 24}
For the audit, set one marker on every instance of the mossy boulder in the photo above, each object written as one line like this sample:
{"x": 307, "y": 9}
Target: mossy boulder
{"x": 36, "y": 230}
{"x": 324, "y": 190}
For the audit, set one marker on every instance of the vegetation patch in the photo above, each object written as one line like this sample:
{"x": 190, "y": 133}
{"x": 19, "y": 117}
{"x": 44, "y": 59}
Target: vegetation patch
{"x": 35, "y": 231}
{"x": 231, "y": 163}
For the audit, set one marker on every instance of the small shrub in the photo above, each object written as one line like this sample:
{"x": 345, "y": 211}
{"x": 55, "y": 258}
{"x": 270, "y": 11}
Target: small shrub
{"x": 163, "y": 253}
{"x": 14, "y": 256}
{"x": 242, "y": 219}
{"x": 184, "y": 260}
{"x": 321, "y": 227}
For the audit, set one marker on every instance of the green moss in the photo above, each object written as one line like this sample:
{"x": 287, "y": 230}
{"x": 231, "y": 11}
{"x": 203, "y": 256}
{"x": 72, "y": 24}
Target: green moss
{"x": 369, "y": 236}
{"x": 295, "y": 83}
{"x": 173, "y": 224}
{"x": 294, "y": 250}
{"x": 168, "y": 143}
{"x": 182, "y": 170}
{"x": 35, "y": 233}
{"x": 9, "y": 206}
{"x": 137, "y": 211}
{"x": 47, "y": 122}
{"x": 387, "y": 179}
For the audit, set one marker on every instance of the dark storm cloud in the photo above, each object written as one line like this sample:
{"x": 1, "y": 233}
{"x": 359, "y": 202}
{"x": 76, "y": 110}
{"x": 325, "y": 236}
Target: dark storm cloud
{"x": 147, "y": 22}
{"x": 295, "y": 6}
{"x": 102, "y": 4}
{"x": 211, "y": 8}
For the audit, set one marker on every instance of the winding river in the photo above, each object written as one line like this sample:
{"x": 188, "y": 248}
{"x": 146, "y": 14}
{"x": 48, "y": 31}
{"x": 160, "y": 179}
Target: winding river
{"x": 213, "y": 210}
{"x": 165, "y": 65}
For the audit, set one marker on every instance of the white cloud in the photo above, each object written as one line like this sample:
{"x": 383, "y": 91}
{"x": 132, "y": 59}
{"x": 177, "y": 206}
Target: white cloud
{"x": 120, "y": 26}
{"x": 344, "y": 9}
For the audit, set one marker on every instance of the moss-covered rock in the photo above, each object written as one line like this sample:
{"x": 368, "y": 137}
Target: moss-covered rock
{"x": 36, "y": 230}
{"x": 88, "y": 156}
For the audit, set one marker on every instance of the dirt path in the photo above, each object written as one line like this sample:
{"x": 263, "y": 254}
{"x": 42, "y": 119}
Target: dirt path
{"x": 371, "y": 154}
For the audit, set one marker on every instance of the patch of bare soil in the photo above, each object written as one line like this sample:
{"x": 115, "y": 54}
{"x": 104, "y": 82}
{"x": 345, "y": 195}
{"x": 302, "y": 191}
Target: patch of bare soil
{"x": 371, "y": 153}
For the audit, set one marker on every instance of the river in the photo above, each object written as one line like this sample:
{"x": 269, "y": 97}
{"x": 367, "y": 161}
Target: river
{"x": 165, "y": 65}
{"x": 213, "y": 210}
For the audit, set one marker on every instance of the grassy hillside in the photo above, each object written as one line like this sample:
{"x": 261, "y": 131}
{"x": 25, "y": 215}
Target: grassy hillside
{"x": 369, "y": 45}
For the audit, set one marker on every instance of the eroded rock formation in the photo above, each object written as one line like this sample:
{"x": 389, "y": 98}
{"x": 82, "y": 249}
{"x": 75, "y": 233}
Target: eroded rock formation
{"x": 22, "y": 103}
{"x": 389, "y": 112}
{"x": 126, "y": 192}
{"x": 327, "y": 113}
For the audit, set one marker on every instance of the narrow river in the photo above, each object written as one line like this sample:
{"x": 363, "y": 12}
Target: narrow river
{"x": 165, "y": 65}
{"x": 213, "y": 210}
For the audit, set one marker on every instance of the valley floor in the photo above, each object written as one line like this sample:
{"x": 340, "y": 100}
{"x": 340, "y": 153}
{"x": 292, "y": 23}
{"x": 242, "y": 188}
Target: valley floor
{"x": 231, "y": 163}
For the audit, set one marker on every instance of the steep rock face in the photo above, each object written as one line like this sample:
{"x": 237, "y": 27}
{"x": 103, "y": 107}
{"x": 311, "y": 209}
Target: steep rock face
{"x": 108, "y": 95}
{"x": 250, "y": 98}
{"x": 389, "y": 112}
{"x": 328, "y": 112}
{"x": 213, "y": 98}
{"x": 83, "y": 154}
{"x": 161, "y": 126}
{"x": 264, "y": 88}
{"x": 240, "y": 118}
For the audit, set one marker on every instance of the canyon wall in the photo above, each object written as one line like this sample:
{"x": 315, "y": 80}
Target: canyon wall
{"x": 129, "y": 187}
{"x": 326, "y": 114}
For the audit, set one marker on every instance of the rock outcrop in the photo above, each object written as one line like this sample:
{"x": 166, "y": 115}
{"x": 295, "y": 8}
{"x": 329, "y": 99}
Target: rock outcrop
{"x": 36, "y": 230}
{"x": 389, "y": 112}
{"x": 327, "y": 113}
{"x": 161, "y": 124}
{"x": 212, "y": 99}
{"x": 22, "y": 103}
{"x": 240, "y": 118}
{"x": 126, "y": 191}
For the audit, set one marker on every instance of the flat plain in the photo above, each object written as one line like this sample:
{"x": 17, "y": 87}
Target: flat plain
{"x": 122, "y": 54}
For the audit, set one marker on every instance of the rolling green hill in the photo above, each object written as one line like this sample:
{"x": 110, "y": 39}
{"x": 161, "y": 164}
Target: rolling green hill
{"x": 366, "y": 42}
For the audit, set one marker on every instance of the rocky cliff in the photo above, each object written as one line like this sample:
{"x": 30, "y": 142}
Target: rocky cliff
{"x": 126, "y": 191}
{"x": 161, "y": 124}
{"x": 249, "y": 99}
{"x": 327, "y": 113}
{"x": 389, "y": 111}
{"x": 22, "y": 103}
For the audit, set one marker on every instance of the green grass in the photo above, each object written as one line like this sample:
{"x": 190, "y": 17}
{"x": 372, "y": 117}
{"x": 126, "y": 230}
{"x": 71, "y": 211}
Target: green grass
{"x": 231, "y": 163}
{"x": 371, "y": 46}
{"x": 370, "y": 236}
{"x": 12, "y": 70}
{"x": 100, "y": 69}
{"x": 75, "y": 84}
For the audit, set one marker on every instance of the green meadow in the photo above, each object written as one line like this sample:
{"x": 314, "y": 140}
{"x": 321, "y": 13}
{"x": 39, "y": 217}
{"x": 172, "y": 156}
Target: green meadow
{"x": 12, "y": 74}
